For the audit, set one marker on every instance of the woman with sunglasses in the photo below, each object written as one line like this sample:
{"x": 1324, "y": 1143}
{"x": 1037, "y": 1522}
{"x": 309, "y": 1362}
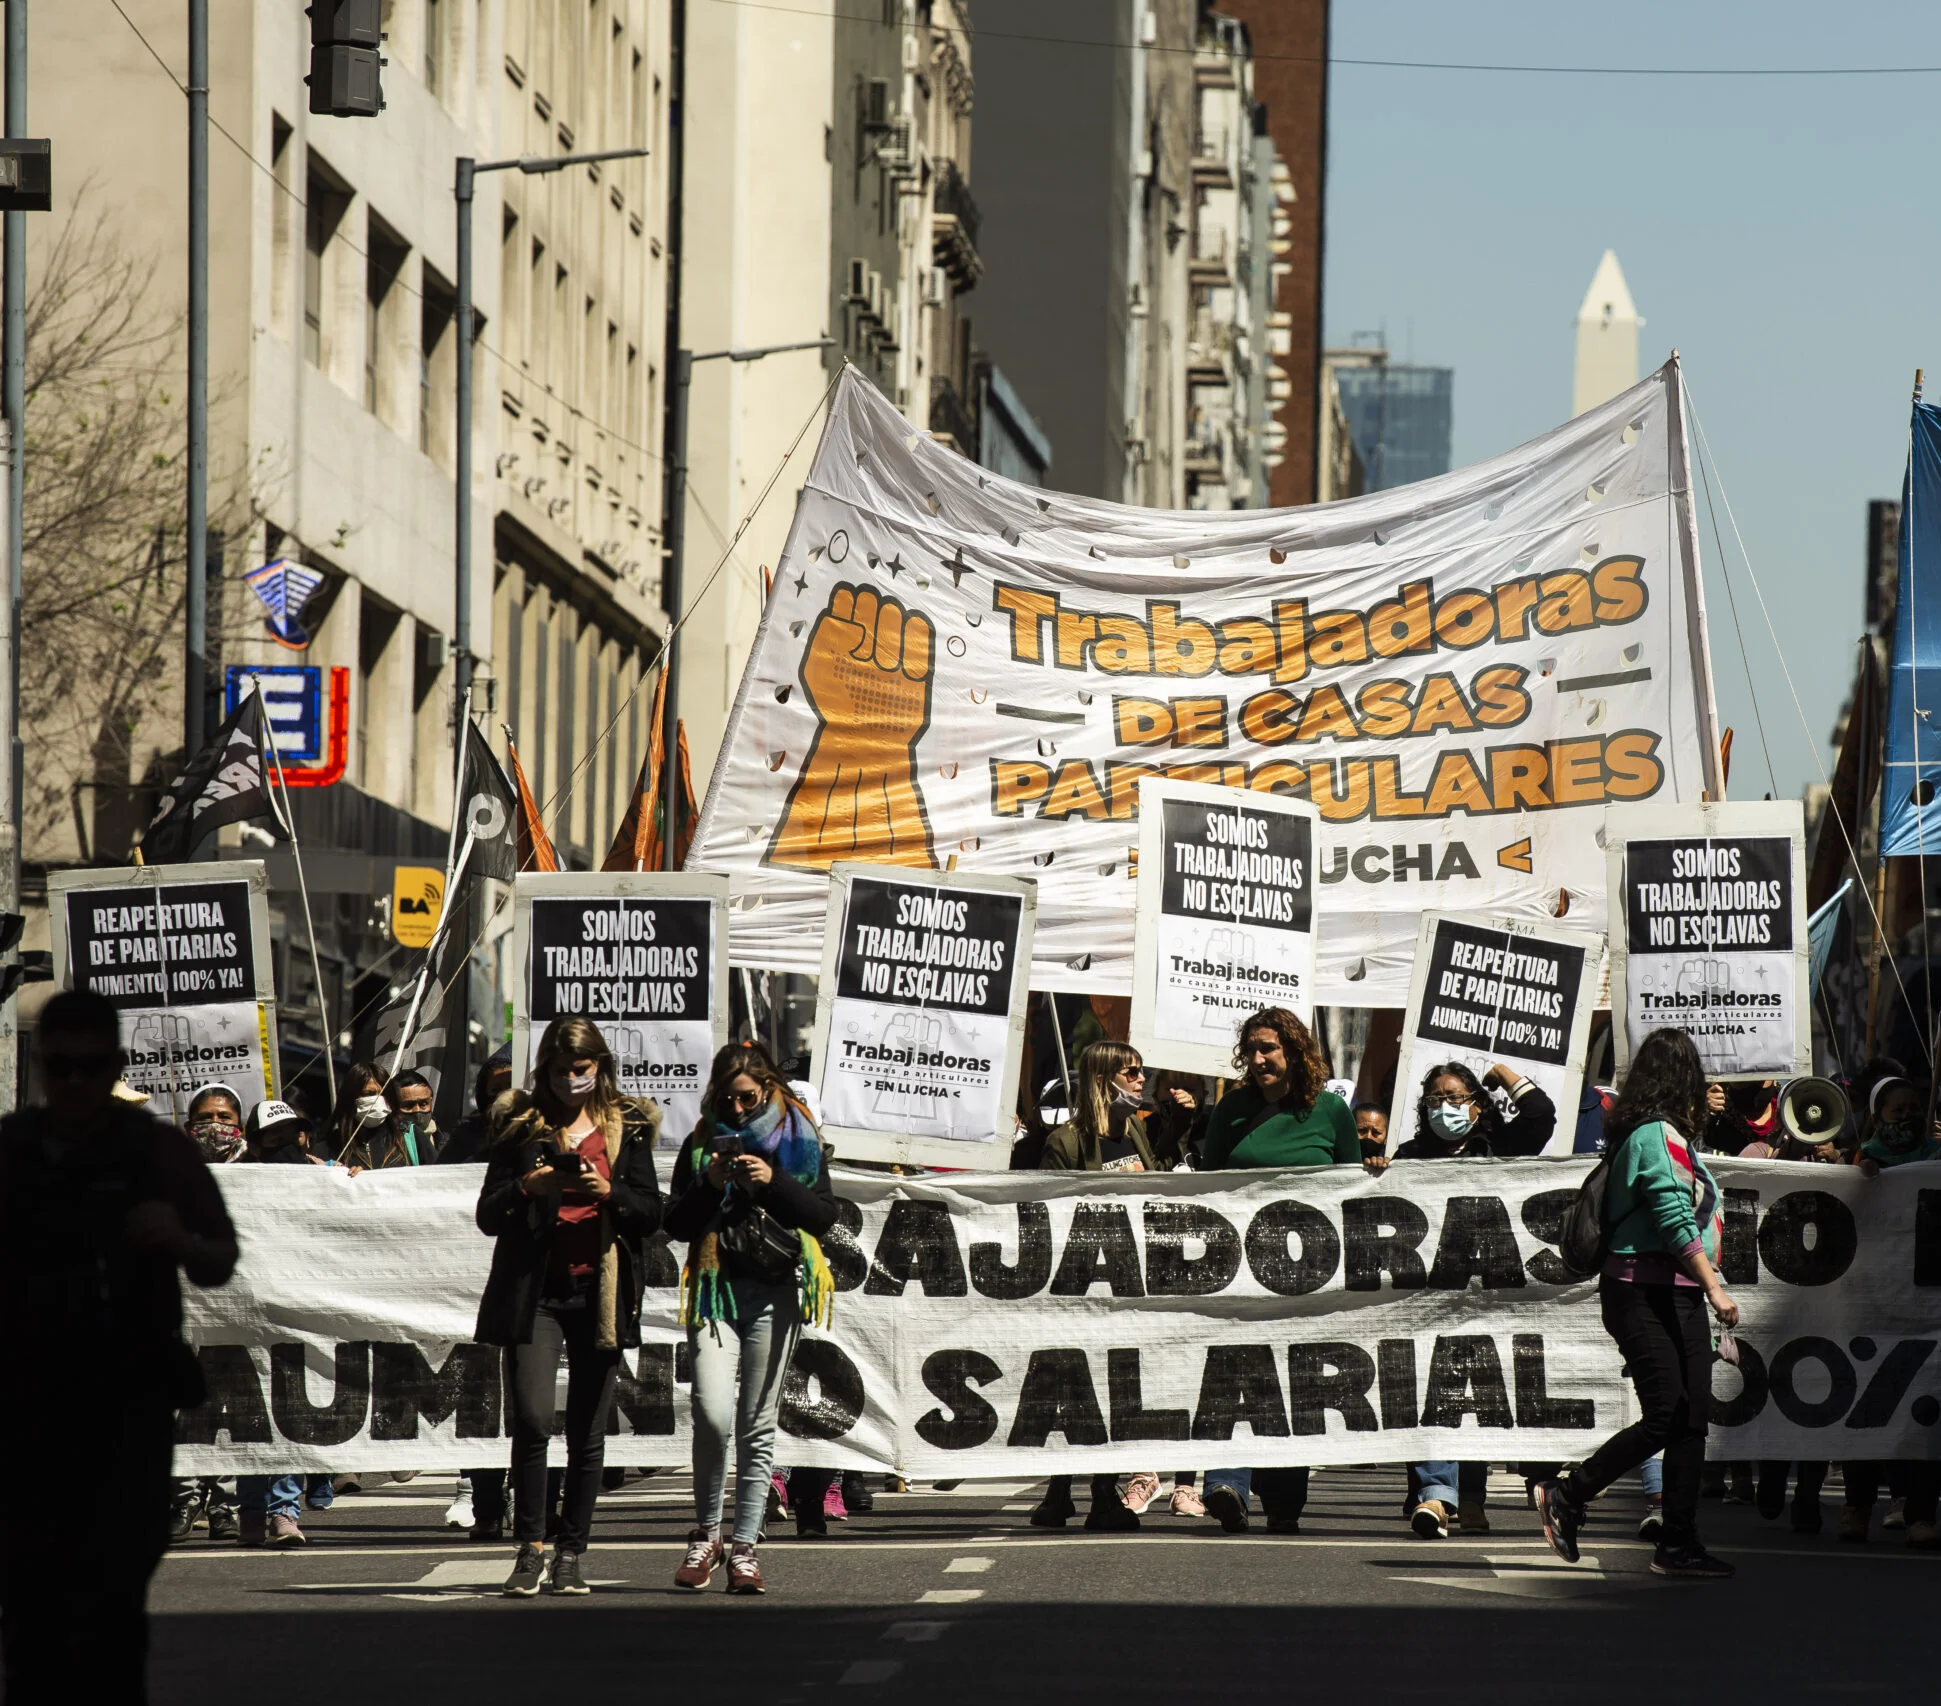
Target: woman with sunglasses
{"x": 751, "y": 1198}
{"x": 570, "y": 1196}
{"x": 1107, "y": 1134}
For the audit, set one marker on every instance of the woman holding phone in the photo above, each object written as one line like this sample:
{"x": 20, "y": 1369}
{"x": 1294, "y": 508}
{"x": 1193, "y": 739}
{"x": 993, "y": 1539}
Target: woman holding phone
{"x": 570, "y": 1195}
{"x": 751, "y": 1197}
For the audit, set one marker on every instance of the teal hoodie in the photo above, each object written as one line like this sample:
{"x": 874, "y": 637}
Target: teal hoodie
{"x": 1659, "y": 1197}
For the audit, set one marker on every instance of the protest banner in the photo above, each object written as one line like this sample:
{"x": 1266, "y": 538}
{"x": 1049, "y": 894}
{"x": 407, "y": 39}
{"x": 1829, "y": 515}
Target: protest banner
{"x": 919, "y": 1016}
{"x": 1459, "y": 675}
{"x": 1036, "y": 1323}
{"x": 183, "y": 951}
{"x": 1710, "y": 933}
{"x": 644, "y": 955}
{"x": 1498, "y": 991}
{"x": 1224, "y": 923}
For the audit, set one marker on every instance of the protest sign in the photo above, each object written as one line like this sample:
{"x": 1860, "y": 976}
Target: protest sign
{"x": 1498, "y": 991}
{"x": 644, "y": 955}
{"x": 1050, "y": 1323}
{"x": 1709, "y": 933}
{"x": 1458, "y": 674}
{"x": 919, "y": 1018}
{"x": 183, "y": 951}
{"x": 1225, "y": 921}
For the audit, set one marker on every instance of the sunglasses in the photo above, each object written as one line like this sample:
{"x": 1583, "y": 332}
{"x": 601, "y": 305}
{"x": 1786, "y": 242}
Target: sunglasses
{"x": 1132, "y": 1072}
{"x": 746, "y": 1098}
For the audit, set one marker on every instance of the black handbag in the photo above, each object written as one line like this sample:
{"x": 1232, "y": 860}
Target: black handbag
{"x": 760, "y": 1244}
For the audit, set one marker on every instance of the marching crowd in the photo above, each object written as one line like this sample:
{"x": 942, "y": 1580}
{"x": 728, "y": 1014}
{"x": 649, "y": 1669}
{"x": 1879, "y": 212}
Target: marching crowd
{"x": 570, "y": 1197}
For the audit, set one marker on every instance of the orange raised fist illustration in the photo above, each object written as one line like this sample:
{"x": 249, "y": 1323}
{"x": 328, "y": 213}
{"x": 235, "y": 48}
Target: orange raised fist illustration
{"x": 866, "y": 672}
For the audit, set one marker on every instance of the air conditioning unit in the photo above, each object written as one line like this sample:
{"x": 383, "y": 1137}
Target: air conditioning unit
{"x": 875, "y": 295}
{"x": 897, "y": 149}
{"x": 936, "y": 290}
{"x": 912, "y": 53}
{"x": 858, "y": 290}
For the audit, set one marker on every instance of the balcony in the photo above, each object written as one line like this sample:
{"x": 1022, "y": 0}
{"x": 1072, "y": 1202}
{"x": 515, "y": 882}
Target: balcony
{"x": 953, "y": 228}
{"x": 950, "y": 418}
{"x": 1212, "y": 169}
{"x": 1211, "y": 262}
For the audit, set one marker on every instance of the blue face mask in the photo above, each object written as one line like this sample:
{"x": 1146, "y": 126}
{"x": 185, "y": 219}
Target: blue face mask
{"x": 1451, "y": 1119}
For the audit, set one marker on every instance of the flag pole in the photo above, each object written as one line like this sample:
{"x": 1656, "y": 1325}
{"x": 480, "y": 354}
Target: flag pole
{"x": 303, "y": 889}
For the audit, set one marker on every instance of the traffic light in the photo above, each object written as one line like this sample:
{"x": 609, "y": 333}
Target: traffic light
{"x": 344, "y": 61}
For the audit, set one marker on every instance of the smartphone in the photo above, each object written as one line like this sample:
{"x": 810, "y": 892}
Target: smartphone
{"x": 570, "y": 1161}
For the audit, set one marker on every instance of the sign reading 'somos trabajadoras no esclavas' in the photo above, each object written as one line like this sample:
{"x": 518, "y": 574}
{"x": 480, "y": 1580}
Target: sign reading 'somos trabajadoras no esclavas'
{"x": 1458, "y": 675}
{"x": 1225, "y": 918}
{"x": 1498, "y": 992}
{"x": 183, "y": 951}
{"x": 1709, "y": 933}
{"x": 641, "y": 954}
{"x": 919, "y": 1025}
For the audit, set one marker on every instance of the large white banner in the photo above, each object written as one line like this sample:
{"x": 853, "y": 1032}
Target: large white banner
{"x": 1459, "y": 674}
{"x": 1038, "y": 1322}
{"x": 1711, "y": 933}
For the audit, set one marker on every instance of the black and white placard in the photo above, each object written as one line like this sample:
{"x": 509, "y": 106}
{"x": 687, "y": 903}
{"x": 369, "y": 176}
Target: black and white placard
{"x": 1225, "y": 920}
{"x": 644, "y": 955}
{"x": 920, "y": 1014}
{"x": 1496, "y": 990}
{"x": 183, "y": 952}
{"x": 1708, "y": 932}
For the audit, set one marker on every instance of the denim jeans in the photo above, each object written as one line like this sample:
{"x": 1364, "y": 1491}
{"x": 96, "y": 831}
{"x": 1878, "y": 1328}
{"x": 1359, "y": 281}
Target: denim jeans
{"x": 1652, "y": 1473}
{"x": 750, "y": 1352}
{"x": 278, "y": 1495}
{"x": 1283, "y": 1492}
{"x": 1448, "y": 1483}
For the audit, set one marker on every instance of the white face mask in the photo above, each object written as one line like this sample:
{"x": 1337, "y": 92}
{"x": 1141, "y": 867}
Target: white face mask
{"x": 573, "y": 1086}
{"x": 372, "y": 1109}
{"x": 1451, "y": 1120}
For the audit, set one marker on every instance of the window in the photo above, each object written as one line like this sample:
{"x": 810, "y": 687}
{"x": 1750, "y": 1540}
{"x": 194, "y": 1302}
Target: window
{"x": 538, "y": 313}
{"x": 384, "y": 259}
{"x": 377, "y": 625}
{"x": 437, "y": 368}
{"x": 434, "y": 47}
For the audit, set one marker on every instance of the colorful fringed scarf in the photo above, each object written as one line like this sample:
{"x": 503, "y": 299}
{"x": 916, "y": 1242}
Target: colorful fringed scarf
{"x": 785, "y": 1139}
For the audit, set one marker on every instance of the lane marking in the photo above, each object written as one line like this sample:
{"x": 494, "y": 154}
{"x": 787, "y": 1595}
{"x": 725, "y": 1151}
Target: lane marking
{"x": 967, "y": 1566}
{"x": 870, "y": 1670}
{"x": 950, "y": 1596}
{"x": 914, "y": 1631}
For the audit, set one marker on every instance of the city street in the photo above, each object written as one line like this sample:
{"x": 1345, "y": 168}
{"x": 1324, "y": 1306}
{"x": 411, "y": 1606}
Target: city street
{"x": 950, "y": 1595}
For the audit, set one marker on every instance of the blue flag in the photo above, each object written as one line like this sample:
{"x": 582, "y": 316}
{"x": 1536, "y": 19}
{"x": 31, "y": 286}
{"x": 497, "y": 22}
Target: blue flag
{"x": 1910, "y": 787}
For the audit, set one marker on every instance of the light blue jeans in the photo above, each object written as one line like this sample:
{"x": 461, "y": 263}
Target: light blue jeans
{"x": 1652, "y": 1473}
{"x": 278, "y": 1495}
{"x": 1448, "y": 1483}
{"x": 739, "y": 1366}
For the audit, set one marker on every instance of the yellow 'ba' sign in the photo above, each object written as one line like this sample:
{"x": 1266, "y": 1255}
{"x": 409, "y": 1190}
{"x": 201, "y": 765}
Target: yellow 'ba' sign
{"x": 417, "y": 902}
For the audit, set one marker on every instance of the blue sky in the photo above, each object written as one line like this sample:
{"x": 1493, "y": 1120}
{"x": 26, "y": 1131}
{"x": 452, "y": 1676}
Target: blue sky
{"x": 1779, "y": 232}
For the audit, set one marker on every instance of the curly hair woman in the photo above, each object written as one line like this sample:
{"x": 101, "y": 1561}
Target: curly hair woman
{"x": 570, "y": 1197}
{"x": 1455, "y": 1115}
{"x": 1661, "y": 1228}
{"x": 1283, "y": 1116}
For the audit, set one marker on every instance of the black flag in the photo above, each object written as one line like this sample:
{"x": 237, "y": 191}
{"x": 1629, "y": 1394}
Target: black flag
{"x": 490, "y": 815}
{"x": 226, "y": 782}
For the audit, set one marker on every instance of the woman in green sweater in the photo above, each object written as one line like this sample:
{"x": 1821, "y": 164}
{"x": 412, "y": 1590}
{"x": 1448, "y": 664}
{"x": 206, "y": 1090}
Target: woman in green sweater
{"x": 1662, "y": 1225}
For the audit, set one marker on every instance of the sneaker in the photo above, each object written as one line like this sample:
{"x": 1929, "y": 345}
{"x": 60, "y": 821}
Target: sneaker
{"x": 744, "y": 1573}
{"x": 1923, "y": 1537}
{"x": 1691, "y": 1561}
{"x": 458, "y": 1514}
{"x": 528, "y": 1572}
{"x": 1562, "y": 1516}
{"x": 566, "y": 1576}
{"x": 1054, "y": 1510}
{"x": 1140, "y": 1491}
{"x": 491, "y": 1528}
{"x": 1653, "y": 1522}
{"x": 284, "y": 1533}
{"x": 1853, "y": 1523}
{"x": 1283, "y": 1525}
{"x": 703, "y": 1555}
{"x": 1896, "y": 1516}
{"x": 832, "y": 1506}
{"x": 1471, "y": 1515}
{"x": 184, "y": 1510}
{"x": 856, "y": 1496}
{"x": 1186, "y": 1501}
{"x": 404, "y": 1474}
{"x": 1227, "y": 1508}
{"x": 252, "y": 1527}
{"x": 778, "y": 1502}
{"x": 342, "y": 1484}
{"x": 613, "y": 1478}
{"x": 222, "y": 1522}
{"x": 811, "y": 1522}
{"x": 1739, "y": 1493}
{"x": 1431, "y": 1520}
{"x": 1111, "y": 1516}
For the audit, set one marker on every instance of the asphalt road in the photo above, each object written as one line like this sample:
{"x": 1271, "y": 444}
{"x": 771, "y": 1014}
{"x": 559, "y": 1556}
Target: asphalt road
{"x": 945, "y": 1596}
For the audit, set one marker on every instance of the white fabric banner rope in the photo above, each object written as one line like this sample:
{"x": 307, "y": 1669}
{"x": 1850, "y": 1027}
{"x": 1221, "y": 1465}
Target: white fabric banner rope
{"x": 996, "y": 1324}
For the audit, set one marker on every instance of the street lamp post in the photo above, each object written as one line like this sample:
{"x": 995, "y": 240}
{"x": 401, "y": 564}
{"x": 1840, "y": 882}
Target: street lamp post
{"x": 674, "y": 545}
{"x": 533, "y": 165}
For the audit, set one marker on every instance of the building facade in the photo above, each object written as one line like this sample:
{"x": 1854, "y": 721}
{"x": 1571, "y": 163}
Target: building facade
{"x": 1399, "y": 414}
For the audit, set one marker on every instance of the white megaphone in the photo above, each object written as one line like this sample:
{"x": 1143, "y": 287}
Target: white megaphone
{"x": 1812, "y": 1110}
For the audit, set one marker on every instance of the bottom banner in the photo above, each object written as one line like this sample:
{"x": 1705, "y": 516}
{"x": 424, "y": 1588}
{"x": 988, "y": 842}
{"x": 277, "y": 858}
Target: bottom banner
{"x": 1035, "y": 1323}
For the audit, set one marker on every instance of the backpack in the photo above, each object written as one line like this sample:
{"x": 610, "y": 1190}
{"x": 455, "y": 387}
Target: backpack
{"x": 1580, "y": 1245}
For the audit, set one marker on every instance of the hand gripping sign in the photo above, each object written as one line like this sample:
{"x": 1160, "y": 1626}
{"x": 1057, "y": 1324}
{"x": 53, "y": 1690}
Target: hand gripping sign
{"x": 919, "y": 1026}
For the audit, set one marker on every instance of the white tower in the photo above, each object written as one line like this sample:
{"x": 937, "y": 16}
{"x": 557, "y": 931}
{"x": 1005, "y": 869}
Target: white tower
{"x": 1607, "y": 337}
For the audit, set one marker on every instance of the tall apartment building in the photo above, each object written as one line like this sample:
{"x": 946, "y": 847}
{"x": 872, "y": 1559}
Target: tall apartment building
{"x": 1400, "y": 414}
{"x": 333, "y": 366}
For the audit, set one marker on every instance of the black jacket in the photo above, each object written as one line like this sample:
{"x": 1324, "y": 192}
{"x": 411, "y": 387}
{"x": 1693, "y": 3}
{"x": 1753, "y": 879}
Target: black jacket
{"x": 523, "y": 1225}
{"x": 695, "y": 1204}
{"x": 1533, "y": 1127}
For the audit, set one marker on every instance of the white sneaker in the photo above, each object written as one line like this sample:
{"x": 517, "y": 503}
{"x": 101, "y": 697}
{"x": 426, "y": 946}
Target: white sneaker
{"x": 458, "y": 1514}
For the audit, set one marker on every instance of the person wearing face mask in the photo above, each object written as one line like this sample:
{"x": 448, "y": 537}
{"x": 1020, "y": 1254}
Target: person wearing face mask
{"x": 362, "y": 1112}
{"x": 570, "y": 1196}
{"x": 408, "y": 1135}
{"x": 216, "y": 1124}
{"x": 1456, "y": 1116}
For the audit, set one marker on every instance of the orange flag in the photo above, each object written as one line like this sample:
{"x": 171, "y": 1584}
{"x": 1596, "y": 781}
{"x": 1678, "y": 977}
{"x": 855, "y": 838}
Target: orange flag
{"x": 535, "y": 845}
{"x": 688, "y": 817}
{"x": 636, "y": 846}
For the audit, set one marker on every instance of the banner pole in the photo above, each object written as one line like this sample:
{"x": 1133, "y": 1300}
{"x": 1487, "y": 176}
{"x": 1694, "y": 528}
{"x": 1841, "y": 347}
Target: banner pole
{"x": 309, "y": 923}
